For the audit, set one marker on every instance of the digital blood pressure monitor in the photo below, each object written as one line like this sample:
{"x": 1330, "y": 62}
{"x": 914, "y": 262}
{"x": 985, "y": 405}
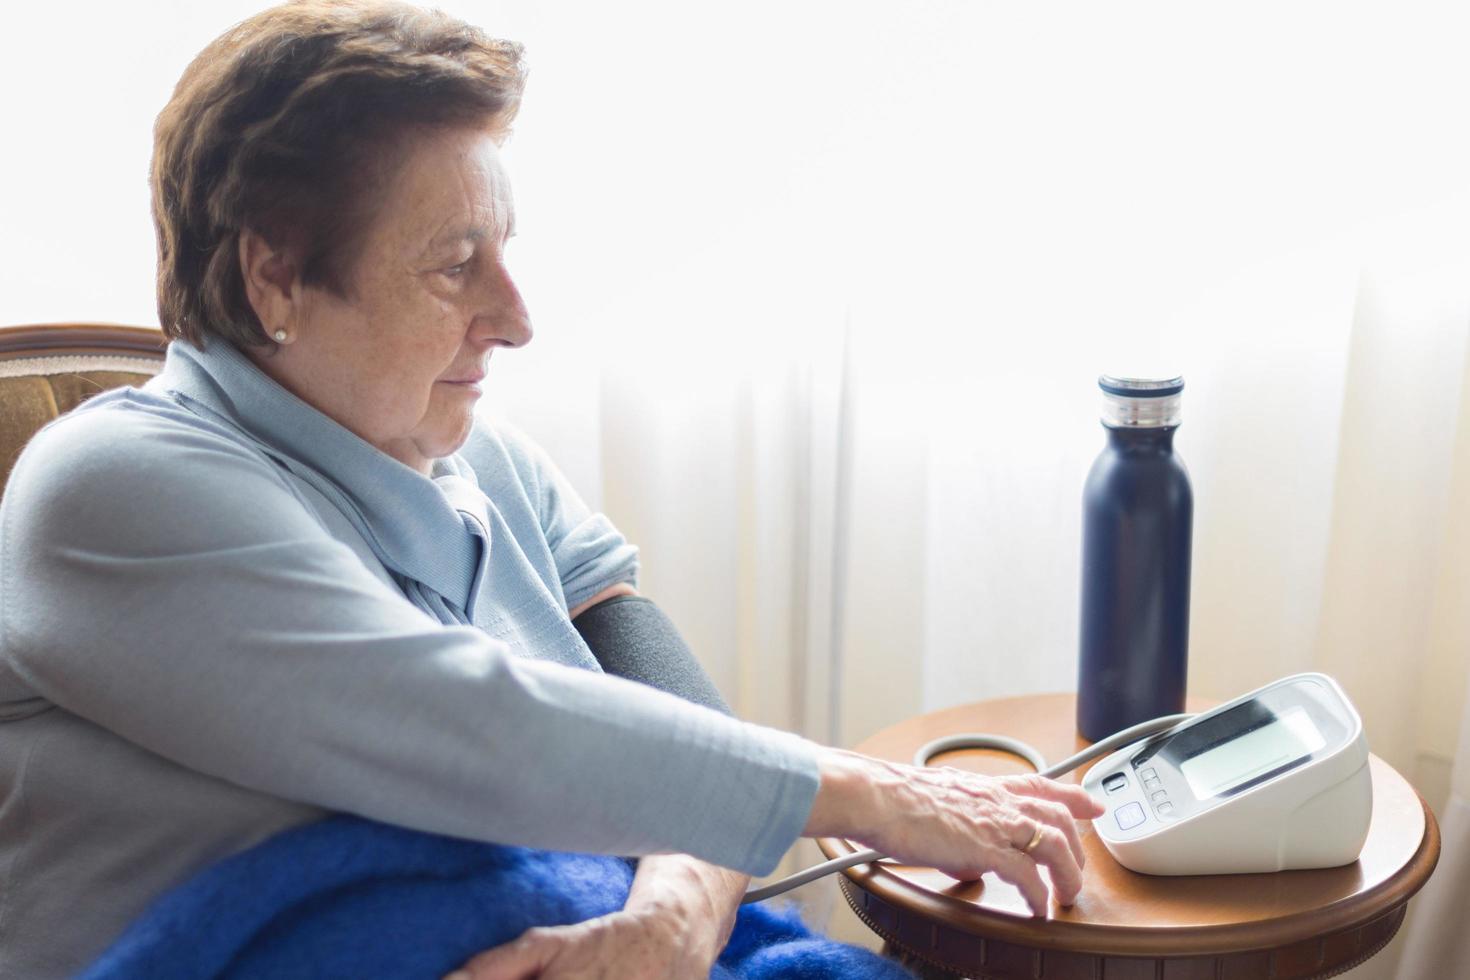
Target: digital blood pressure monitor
{"x": 1276, "y": 779}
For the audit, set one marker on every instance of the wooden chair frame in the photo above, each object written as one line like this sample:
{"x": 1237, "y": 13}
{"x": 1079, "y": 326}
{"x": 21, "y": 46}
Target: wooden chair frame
{"x": 68, "y": 339}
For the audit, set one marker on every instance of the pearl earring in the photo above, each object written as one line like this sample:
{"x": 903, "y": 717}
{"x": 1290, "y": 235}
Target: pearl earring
{"x": 280, "y": 336}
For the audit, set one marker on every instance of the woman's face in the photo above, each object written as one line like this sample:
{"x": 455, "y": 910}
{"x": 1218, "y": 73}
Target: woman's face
{"x": 401, "y": 361}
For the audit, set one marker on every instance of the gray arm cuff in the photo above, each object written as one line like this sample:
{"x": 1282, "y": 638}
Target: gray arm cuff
{"x": 631, "y": 637}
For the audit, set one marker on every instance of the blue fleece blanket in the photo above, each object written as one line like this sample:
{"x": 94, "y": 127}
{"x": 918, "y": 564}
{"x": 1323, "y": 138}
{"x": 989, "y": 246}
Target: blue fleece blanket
{"x": 352, "y": 898}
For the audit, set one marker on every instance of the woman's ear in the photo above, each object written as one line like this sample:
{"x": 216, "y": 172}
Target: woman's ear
{"x": 271, "y": 285}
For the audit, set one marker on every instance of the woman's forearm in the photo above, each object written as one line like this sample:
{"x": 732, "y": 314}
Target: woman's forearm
{"x": 849, "y": 797}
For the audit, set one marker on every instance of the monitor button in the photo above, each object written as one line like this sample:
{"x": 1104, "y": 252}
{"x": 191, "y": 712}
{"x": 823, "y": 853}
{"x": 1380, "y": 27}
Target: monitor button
{"x": 1129, "y": 815}
{"x": 1166, "y": 809}
{"x": 1115, "y": 782}
{"x": 1159, "y": 797}
{"x": 1148, "y": 774}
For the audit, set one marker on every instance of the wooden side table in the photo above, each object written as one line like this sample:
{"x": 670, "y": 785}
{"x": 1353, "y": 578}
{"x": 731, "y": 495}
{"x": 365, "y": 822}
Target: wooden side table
{"x": 1291, "y": 925}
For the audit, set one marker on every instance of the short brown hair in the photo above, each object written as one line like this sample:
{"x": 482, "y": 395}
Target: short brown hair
{"x": 287, "y": 124}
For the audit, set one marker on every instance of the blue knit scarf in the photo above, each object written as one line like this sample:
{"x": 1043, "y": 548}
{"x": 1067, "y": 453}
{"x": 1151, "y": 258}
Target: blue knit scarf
{"x": 348, "y": 897}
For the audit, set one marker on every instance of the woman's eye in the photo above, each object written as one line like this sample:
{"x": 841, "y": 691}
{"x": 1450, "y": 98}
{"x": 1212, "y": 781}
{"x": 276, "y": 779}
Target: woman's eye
{"x": 455, "y": 271}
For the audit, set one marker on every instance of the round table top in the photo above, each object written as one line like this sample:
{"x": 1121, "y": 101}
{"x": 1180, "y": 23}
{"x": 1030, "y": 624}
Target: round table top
{"x": 1121, "y": 912}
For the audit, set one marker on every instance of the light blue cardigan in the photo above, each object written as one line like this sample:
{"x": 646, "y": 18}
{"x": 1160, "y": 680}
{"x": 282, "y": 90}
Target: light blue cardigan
{"x": 222, "y": 614}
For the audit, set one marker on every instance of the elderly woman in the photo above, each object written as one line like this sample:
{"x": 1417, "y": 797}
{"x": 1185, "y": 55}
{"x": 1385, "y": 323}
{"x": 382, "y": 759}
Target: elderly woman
{"x": 295, "y": 574}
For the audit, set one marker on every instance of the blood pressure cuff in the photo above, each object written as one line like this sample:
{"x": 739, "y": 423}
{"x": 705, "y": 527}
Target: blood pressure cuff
{"x": 631, "y": 637}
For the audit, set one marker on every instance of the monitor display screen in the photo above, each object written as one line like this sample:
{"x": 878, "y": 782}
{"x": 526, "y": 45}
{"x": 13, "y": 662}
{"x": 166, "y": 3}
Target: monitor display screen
{"x": 1289, "y": 737}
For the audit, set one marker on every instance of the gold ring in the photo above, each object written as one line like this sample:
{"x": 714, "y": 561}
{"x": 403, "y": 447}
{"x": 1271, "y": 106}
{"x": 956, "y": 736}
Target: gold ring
{"x": 1035, "y": 839}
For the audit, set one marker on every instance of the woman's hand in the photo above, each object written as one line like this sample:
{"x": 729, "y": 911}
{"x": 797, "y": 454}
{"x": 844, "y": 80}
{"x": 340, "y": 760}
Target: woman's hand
{"x": 958, "y": 822}
{"x": 677, "y": 919}
{"x": 620, "y": 945}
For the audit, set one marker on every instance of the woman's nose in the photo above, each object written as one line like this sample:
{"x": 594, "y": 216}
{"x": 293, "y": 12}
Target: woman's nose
{"x": 501, "y": 313}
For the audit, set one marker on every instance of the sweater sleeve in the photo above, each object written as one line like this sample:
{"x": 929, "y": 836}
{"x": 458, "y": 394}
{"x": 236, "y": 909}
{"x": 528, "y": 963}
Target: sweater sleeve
{"x": 165, "y": 582}
{"x": 590, "y": 553}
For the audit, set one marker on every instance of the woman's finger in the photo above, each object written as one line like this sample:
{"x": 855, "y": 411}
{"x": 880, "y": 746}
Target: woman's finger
{"x": 523, "y": 959}
{"x": 1076, "y": 799}
{"x": 1066, "y": 873}
{"x": 1020, "y": 870}
{"x": 1053, "y": 851}
{"x": 1059, "y": 817}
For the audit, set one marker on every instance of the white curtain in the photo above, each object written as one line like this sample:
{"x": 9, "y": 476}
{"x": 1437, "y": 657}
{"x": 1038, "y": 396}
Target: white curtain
{"x": 1435, "y": 944}
{"x": 822, "y": 290}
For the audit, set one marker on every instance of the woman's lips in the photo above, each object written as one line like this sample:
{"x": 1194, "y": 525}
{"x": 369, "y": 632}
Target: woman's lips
{"x": 470, "y": 384}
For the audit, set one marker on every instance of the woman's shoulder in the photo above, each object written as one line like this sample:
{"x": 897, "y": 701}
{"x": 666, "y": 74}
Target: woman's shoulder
{"x": 125, "y": 448}
{"x": 130, "y": 428}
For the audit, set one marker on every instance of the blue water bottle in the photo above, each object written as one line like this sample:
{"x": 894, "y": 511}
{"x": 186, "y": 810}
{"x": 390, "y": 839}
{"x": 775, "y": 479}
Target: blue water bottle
{"x": 1137, "y": 518}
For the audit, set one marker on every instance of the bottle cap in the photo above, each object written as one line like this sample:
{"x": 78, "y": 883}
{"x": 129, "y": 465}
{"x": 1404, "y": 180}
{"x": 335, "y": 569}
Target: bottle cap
{"x": 1144, "y": 403}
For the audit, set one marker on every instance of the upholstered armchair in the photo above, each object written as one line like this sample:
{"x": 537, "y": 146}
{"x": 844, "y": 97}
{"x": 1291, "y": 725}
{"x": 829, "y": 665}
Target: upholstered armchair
{"x": 49, "y": 369}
